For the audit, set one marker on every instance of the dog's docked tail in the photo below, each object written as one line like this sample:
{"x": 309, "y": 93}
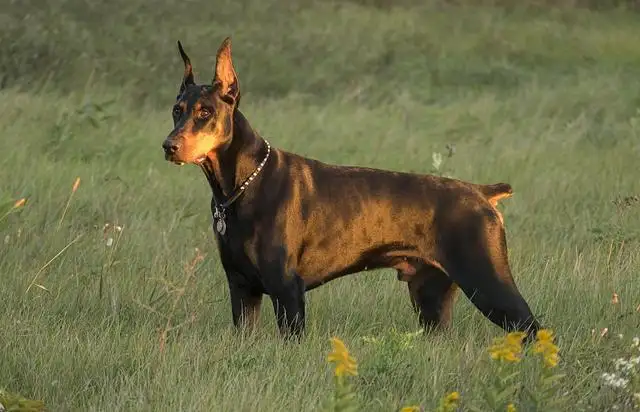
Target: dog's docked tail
{"x": 496, "y": 192}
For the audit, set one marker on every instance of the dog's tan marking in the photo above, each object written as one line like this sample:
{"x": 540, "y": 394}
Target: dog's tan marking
{"x": 494, "y": 193}
{"x": 199, "y": 145}
{"x": 498, "y": 197}
{"x": 405, "y": 270}
{"x": 494, "y": 203}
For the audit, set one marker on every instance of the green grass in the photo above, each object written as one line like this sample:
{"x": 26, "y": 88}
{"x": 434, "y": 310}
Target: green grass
{"x": 545, "y": 99}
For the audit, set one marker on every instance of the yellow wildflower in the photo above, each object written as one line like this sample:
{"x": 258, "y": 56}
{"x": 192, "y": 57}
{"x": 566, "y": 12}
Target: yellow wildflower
{"x": 515, "y": 338}
{"x": 544, "y": 335}
{"x": 410, "y": 409}
{"x": 511, "y": 408}
{"x": 544, "y": 345}
{"x": 345, "y": 363}
{"x": 449, "y": 402}
{"x": 452, "y": 398}
{"x": 19, "y": 203}
{"x": 508, "y": 348}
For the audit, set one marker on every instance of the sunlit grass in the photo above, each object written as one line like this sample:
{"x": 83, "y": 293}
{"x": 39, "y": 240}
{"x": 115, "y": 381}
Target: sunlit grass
{"x": 113, "y": 296}
{"x": 502, "y": 392}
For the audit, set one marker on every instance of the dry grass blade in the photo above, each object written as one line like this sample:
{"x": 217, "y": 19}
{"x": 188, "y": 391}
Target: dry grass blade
{"x": 17, "y": 205}
{"x": 33, "y": 281}
{"x": 75, "y": 186}
{"x": 188, "y": 275}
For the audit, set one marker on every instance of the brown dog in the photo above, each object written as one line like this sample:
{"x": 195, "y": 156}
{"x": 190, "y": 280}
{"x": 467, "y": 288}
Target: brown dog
{"x": 286, "y": 224}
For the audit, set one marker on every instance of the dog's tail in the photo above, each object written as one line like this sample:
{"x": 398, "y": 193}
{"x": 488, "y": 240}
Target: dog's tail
{"x": 496, "y": 192}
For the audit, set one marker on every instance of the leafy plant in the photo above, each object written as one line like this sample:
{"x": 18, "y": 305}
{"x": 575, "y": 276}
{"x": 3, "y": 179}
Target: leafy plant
{"x": 11, "y": 402}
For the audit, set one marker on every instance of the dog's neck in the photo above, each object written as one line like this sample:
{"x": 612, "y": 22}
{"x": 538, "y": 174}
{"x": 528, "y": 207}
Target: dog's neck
{"x": 227, "y": 167}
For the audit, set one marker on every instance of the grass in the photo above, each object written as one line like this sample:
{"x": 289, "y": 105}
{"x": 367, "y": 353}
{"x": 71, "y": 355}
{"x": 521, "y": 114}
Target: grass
{"x": 543, "y": 98}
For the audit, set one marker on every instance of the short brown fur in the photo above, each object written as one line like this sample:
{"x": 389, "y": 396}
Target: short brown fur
{"x": 299, "y": 223}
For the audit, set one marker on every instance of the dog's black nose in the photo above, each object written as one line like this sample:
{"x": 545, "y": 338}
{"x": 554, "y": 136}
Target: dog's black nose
{"x": 170, "y": 147}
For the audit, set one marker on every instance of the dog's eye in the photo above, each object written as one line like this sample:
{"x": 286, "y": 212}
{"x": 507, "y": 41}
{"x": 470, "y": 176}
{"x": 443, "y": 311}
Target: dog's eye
{"x": 204, "y": 114}
{"x": 177, "y": 111}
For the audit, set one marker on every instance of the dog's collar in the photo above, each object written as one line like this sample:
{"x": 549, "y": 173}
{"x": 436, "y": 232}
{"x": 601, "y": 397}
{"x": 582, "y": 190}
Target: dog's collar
{"x": 219, "y": 214}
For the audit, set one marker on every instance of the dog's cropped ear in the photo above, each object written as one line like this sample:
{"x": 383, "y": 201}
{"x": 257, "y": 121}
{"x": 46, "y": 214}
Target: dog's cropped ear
{"x": 187, "y": 79}
{"x": 225, "y": 77}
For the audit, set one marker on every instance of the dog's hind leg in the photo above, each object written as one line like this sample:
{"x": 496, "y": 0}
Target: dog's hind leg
{"x": 476, "y": 260}
{"x": 432, "y": 295}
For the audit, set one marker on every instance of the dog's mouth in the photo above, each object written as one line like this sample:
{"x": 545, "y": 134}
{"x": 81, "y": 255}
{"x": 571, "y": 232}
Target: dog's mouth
{"x": 172, "y": 158}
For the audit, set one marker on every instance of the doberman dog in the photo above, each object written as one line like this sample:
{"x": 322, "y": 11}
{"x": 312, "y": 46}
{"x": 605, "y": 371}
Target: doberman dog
{"x": 286, "y": 224}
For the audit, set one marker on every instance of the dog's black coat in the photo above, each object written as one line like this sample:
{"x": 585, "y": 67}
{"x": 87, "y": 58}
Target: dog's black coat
{"x": 301, "y": 223}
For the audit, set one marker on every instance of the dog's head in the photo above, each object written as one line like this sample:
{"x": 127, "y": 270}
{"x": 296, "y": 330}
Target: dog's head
{"x": 203, "y": 114}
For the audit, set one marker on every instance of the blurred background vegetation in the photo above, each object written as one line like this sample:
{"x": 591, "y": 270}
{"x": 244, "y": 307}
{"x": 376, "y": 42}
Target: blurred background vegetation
{"x": 541, "y": 94}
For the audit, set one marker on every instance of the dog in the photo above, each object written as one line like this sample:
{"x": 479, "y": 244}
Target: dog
{"x": 286, "y": 224}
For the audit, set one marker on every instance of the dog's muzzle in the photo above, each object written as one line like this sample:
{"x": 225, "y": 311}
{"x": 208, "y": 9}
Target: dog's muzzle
{"x": 170, "y": 148}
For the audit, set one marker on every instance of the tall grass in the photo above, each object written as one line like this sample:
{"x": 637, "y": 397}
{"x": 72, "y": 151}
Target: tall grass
{"x": 93, "y": 317}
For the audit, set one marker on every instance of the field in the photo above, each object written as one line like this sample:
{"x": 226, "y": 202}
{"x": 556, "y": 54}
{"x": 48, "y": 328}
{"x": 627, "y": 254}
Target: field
{"x": 544, "y": 98}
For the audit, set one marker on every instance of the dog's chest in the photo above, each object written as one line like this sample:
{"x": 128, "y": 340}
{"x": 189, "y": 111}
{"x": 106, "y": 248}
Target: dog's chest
{"x": 237, "y": 243}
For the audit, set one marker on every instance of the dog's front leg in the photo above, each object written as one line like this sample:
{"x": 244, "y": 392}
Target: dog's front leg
{"x": 287, "y": 295}
{"x": 246, "y": 296}
{"x": 245, "y": 304}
